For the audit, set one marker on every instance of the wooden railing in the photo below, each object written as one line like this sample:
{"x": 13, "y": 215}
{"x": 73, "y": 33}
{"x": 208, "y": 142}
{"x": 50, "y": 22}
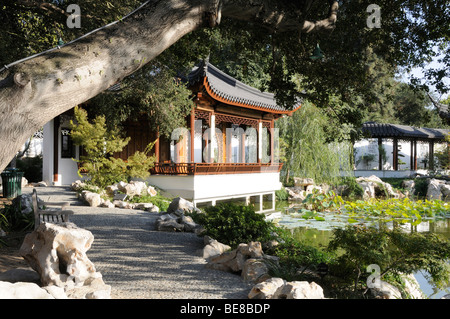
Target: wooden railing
{"x": 213, "y": 168}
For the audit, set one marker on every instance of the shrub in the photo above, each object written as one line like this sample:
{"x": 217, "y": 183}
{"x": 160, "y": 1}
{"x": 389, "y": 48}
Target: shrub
{"x": 12, "y": 219}
{"x": 100, "y": 145}
{"x": 394, "y": 251}
{"x": 233, "y": 224}
{"x": 282, "y": 194}
{"x": 295, "y": 257}
{"x": 158, "y": 200}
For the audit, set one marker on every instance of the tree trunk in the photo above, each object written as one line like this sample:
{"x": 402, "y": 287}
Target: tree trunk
{"x": 35, "y": 90}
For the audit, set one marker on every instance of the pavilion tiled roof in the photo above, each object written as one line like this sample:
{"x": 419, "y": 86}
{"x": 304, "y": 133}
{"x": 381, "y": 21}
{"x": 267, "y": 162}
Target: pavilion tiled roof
{"x": 227, "y": 89}
{"x": 405, "y": 132}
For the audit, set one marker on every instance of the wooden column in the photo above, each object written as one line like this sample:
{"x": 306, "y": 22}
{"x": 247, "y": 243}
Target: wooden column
{"x": 380, "y": 158}
{"x": 56, "y": 132}
{"x": 411, "y": 155}
{"x": 191, "y": 146}
{"x": 415, "y": 155}
{"x": 157, "y": 146}
{"x": 431, "y": 155}
{"x": 259, "y": 141}
{"x": 395, "y": 154}
{"x": 212, "y": 137}
{"x": 272, "y": 141}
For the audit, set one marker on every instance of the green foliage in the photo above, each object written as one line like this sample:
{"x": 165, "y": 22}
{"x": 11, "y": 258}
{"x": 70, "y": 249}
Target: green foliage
{"x": 158, "y": 200}
{"x": 12, "y": 219}
{"x": 394, "y": 251}
{"x": 307, "y": 152}
{"x": 152, "y": 92}
{"x": 32, "y": 168}
{"x": 352, "y": 188}
{"x": 295, "y": 257}
{"x": 443, "y": 155}
{"x": 233, "y": 224}
{"x": 100, "y": 145}
{"x": 402, "y": 210}
{"x": 318, "y": 201}
{"x": 282, "y": 194}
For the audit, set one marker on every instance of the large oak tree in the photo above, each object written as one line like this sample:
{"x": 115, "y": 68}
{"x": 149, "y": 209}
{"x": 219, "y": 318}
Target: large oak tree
{"x": 36, "y": 89}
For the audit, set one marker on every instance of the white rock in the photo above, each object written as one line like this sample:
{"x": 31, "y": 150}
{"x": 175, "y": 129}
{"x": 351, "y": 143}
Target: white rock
{"x": 386, "y": 291}
{"x": 368, "y": 189}
{"x": 56, "y": 292}
{"x": 300, "y": 290}
{"x": 266, "y": 289}
{"x": 58, "y": 254}
{"x": 140, "y": 188}
{"x": 214, "y": 248}
{"x": 434, "y": 190}
{"x": 22, "y": 290}
{"x": 93, "y": 199}
{"x": 311, "y": 188}
{"x": 144, "y": 206}
{"x": 445, "y": 190}
{"x": 151, "y": 191}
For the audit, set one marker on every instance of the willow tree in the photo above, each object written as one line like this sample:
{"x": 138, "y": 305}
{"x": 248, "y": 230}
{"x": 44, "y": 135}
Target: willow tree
{"x": 38, "y": 88}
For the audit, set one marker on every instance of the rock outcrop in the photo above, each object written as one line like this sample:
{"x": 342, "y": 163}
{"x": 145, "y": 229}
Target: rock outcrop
{"x": 277, "y": 288}
{"x": 58, "y": 254}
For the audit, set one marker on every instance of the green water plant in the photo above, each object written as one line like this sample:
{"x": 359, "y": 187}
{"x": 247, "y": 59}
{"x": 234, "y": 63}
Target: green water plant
{"x": 328, "y": 201}
{"x": 402, "y": 210}
{"x": 233, "y": 224}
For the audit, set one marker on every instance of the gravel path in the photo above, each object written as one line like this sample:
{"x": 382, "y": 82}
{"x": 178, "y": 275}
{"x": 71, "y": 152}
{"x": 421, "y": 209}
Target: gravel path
{"x": 139, "y": 262}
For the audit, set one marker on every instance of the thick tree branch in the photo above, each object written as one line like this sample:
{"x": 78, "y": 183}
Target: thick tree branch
{"x": 36, "y": 89}
{"x": 280, "y": 19}
{"x": 326, "y": 24}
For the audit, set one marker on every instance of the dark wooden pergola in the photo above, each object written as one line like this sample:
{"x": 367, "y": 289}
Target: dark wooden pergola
{"x": 412, "y": 134}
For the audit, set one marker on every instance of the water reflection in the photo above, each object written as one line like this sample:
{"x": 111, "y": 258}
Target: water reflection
{"x": 318, "y": 232}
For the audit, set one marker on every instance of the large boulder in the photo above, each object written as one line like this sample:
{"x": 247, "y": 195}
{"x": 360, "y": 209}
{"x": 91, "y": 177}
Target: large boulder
{"x": 277, "y": 288}
{"x": 24, "y": 203}
{"x": 373, "y": 186}
{"x": 22, "y": 290}
{"x": 300, "y": 290}
{"x": 213, "y": 248}
{"x": 434, "y": 189}
{"x": 176, "y": 220}
{"x": 246, "y": 259}
{"x": 57, "y": 252}
{"x": 180, "y": 206}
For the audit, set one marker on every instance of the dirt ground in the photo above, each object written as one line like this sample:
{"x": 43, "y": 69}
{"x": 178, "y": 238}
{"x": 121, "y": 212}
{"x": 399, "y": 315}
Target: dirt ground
{"x": 9, "y": 252}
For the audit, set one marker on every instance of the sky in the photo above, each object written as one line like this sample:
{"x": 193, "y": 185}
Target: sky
{"x": 418, "y": 72}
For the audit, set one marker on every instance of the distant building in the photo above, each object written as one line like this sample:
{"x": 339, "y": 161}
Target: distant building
{"x": 392, "y": 150}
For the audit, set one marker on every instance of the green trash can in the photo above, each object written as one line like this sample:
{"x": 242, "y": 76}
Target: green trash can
{"x": 12, "y": 183}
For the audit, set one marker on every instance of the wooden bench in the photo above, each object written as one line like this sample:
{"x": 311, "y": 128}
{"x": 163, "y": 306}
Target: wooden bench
{"x": 54, "y": 216}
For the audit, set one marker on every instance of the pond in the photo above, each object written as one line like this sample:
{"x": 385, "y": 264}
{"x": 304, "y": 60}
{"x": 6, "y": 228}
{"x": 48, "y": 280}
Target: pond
{"x": 317, "y": 230}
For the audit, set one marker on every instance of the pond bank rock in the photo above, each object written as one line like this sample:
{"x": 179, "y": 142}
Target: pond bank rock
{"x": 277, "y": 288}
{"x": 438, "y": 189}
{"x": 175, "y": 220}
{"x": 247, "y": 259}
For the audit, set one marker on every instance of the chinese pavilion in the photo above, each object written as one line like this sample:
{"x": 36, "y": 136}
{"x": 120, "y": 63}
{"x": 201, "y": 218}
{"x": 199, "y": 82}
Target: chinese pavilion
{"x": 228, "y": 149}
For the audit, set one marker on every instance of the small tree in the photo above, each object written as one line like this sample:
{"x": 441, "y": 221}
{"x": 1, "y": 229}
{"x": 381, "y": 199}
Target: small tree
{"x": 394, "y": 251}
{"x": 100, "y": 145}
{"x": 443, "y": 155}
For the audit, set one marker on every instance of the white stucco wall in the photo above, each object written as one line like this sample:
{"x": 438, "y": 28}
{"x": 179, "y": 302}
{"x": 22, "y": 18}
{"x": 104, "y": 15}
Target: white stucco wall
{"x": 67, "y": 168}
{"x": 203, "y": 187}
